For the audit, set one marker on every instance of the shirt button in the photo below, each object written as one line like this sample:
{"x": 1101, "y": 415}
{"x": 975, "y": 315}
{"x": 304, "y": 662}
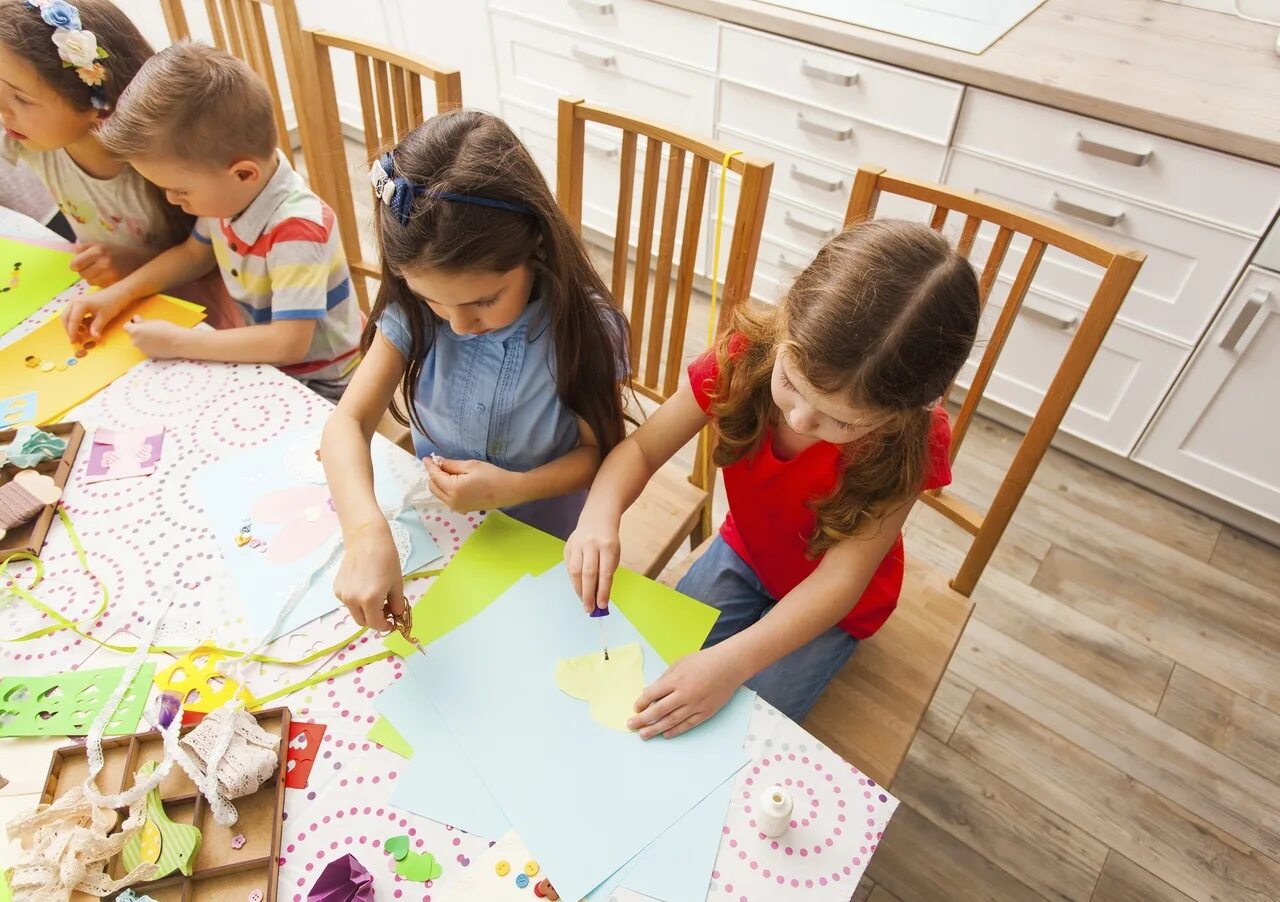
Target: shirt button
{"x": 480, "y": 407}
{"x": 234, "y": 273}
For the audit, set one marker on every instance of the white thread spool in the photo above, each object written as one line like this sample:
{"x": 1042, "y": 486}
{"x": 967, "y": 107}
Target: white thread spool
{"x": 775, "y": 811}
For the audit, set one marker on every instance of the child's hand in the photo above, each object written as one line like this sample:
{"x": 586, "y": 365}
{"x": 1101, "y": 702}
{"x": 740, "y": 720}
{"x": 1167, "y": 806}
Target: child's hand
{"x": 470, "y": 485}
{"x": 87, "y": 315}
{"x": 105, "y": 264}
{"x": 369, "y": 578}
{"x": 591, "y": 556}
{"x": 691, "y": 691}
{"x": 156, "y": 338}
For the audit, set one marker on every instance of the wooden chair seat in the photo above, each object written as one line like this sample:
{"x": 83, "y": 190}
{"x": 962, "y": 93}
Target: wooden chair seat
{"x": 665, "y": 514}
{"x": 871, "y": 711}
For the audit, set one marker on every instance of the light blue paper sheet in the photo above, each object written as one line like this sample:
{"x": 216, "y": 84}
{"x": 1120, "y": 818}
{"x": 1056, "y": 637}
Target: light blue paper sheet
{"x": 584, "y": 799}
{"x": 439, "y": 781}
{"x": 279, "y": 489}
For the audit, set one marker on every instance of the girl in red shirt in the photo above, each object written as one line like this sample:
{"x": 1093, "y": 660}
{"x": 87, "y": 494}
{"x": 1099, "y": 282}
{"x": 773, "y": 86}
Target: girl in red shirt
{"x": 827, "y": 425}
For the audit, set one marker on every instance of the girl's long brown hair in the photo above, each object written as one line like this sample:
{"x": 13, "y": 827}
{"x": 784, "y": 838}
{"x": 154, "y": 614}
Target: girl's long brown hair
{"x": 885, "y": 316}
{"x": 472, "y": 153}
{"x": 25, "y": 34}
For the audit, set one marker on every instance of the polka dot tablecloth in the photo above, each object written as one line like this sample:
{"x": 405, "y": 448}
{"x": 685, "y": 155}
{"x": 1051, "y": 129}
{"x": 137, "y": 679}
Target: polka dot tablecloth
{"x": 144, "y": 535}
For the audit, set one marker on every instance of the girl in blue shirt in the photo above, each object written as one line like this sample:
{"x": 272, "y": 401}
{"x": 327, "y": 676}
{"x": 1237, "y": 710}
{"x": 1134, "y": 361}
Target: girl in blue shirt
{"x": 497, "y": 328}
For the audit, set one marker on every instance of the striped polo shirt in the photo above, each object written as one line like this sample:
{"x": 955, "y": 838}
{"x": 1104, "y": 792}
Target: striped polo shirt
{"x": 281, "y": 258}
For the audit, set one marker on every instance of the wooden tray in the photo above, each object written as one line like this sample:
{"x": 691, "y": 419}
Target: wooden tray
{"x": 30, "y": 536}
{"x": 221, "y": 873}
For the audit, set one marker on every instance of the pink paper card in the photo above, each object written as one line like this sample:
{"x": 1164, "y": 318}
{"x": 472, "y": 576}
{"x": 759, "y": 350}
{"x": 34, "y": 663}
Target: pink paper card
{"x": 122, "y": 453}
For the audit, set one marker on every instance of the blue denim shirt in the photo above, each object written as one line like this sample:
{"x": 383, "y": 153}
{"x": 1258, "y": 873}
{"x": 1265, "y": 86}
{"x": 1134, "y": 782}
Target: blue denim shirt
{"x": 493, "y": 397}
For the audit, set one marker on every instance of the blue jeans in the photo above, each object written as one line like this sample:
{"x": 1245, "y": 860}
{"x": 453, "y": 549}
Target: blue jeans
{"x": 792, "y": 684}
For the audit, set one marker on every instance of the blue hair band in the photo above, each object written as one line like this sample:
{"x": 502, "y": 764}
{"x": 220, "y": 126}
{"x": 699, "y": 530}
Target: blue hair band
{"x": 398, "y": 193}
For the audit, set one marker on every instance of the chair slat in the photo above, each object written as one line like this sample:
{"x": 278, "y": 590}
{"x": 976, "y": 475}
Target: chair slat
{"x": 666, "y": 253}
{"x": 648, "y": 206}
{"x": 939, "y": 218}
{"x": 386, "y": 120}
{"x": 995, "y": 344}
{"x": 622, "y": 227}
{"x": 368, "y": 112}
{"x": 684, "y": 276}
{"x": 995, "y": 260}
{"x": 413, "y": 83}
{"x": 216, "y": 29}
{"x": 400, "y": 103}
{"x": 967, "y": 234}
{"x": 235, "y": 28}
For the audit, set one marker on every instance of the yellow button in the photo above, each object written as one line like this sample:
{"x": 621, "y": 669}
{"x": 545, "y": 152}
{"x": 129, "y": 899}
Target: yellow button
{"x": 531, "y": 869}
{"x": 502, "y": 868}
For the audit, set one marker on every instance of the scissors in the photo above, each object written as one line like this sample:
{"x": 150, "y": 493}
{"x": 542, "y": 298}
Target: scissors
{"x": 404, "y": 626}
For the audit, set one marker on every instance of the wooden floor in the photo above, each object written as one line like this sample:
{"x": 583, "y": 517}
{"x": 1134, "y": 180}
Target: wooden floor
{"x": 1110, "y": 726}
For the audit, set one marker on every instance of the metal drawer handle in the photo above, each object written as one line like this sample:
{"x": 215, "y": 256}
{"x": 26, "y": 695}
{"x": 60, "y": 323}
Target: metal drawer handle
{"x": 1086, "y": 213}
{"x": 826, "y": 131}
{"x": 786, "y": 265}
{"x": 601, "y": 9}
{"x": 1244, "y": 319}
{"x": 1062, "y": 324}
{"x": 594, "y": 59}
{"x": 844, "y": 79}
{"x": 609, "y": 153}
{"x": 809, "y": 228}
{"x": 1108, "y": 152}
{"x": 816, "y": 181}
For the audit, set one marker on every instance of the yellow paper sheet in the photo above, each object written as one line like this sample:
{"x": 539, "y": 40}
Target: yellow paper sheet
{"x": 34, "y": 394}
{"x": 387, "y": 736}
{"x": 610, "y": 687}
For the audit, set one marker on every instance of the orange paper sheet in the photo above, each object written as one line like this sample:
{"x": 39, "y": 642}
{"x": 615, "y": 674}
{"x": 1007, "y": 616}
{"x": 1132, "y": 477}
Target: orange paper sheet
{"x": 39, "y": 395}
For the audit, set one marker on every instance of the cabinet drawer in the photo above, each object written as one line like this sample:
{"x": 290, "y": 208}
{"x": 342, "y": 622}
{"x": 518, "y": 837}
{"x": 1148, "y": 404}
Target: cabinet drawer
{"x": 539, "y": 65}
{"x": 635, "y": 24}
{"x": 830, "y": 137}
{"x": 1192, "y": 180}
{"x": 1215, "y": 430}
{"x": 1189, "y": 265}
{"x": 1121, "y": 391}
{"x": 895, "y": 98}
{"x": 814, "y": 184}
{"x": 601, "y": 172}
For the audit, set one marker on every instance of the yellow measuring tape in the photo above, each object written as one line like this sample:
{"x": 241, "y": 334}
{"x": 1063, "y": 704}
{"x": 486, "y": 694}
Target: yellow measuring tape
{"x": 80, "y": 627}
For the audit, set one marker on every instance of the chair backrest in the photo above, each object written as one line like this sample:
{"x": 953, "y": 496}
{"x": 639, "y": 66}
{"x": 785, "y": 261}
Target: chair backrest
{"x": 239, "y": 28}
{"x": 1119, "y": 268}
{"x": 658, "y": 331}
{"x": 391, "y": 105}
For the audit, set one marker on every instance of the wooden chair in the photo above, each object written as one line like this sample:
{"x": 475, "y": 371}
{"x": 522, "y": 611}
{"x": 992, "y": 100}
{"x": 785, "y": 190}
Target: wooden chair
{"x": 873, "y": 708}
{"x": 675, "y": 505}
{"x": 391, "y": 105}
{"x": 239, "y": 28}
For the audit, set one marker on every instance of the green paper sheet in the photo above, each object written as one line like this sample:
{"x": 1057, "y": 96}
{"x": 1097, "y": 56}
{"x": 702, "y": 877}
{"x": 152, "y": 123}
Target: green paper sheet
{"x": 383, "y": 733}
{"x": 66, "y": 704}
{"x": 502, "y": 549}
{"x": 40, "y": 274}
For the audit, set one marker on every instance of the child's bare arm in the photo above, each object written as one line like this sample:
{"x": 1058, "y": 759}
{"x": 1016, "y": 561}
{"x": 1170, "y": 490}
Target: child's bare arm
{"x": 281, "y": 343}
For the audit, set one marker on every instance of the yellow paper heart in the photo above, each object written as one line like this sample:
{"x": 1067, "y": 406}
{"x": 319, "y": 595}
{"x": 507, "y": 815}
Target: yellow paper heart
{"x": 609, "y": 687}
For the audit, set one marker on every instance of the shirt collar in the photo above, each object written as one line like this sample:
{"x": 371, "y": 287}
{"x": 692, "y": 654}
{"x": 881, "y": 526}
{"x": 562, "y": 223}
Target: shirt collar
{"x": 250, "y": 223}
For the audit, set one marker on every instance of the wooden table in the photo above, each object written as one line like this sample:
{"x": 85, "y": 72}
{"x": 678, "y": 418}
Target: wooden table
{"x": 141, "y": 534}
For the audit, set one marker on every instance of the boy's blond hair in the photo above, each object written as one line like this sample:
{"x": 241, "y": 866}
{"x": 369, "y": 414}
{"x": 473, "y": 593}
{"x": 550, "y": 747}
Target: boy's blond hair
{"x": 194, "y": 103}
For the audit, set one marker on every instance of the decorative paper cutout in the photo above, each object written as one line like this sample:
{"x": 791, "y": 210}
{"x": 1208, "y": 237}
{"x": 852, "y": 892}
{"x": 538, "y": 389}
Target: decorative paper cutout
{"x": 490, "y": 877}
{"x": 63, "y": 386}
{"x": 344, "y": 879}
{"x": 65, "y": 704}
{"x": 416, "y": 866}
{"x": 502, "y": 549}
{"x": 290, "y": 524}
{"x": 123, "y": 453}
{"x": 610, "y": 686}
{"x": 20, "y": 408}
{"x": 397, "y": 847}
{"x": 195, "y": 679}
{"x": 383, "y": 733}
{"x": 304, "y": 743}
{"x": 171, "y": 846}
{"x": 30, "y": 277}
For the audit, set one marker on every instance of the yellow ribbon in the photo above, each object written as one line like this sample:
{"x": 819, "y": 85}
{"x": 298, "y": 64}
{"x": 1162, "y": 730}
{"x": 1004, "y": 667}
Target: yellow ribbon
{"x": 715, "y": 284}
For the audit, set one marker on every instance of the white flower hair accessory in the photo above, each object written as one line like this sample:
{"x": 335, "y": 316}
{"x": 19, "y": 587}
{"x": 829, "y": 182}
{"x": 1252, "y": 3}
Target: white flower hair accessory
{"x": 78, "y": 49}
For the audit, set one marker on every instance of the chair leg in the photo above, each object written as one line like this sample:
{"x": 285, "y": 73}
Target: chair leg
{"x": 701, "y": 529}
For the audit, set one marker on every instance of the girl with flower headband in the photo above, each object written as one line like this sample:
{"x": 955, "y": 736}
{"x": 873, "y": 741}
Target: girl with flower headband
{"x": 497, "y": 329}
{"x": 62, "y": 68}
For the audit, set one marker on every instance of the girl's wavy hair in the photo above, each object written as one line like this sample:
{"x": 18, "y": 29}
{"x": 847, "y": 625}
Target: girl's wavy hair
{"x": 466, "y": 152}
{"x": 25, "y": 34}
{"x": 884, "y": 316}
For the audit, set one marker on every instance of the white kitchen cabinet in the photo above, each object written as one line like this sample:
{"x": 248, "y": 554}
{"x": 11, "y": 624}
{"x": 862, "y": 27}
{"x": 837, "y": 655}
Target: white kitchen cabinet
{"x": 1217, "y": 430}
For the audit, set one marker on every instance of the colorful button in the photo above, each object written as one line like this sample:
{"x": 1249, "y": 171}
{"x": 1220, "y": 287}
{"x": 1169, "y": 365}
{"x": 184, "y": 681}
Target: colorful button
{"x": 502, "y": 869}
{"x": 522, "y": 881}
{"x": 90, "y": 345}
{"x": 46, "y": 367}
{"x": 531, "y": 868}
{"x": 33, "y": 361}
{"x": 61, "y": 367}
{"x": 80, "y": 352}
{"x": 71, "y": 361}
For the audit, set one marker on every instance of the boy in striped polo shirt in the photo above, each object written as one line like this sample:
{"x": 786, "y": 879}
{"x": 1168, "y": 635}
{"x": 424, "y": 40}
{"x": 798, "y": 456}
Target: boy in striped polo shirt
{"x": 198, "y": 123}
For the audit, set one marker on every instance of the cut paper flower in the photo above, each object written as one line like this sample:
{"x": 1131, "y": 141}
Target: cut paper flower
{"x": 306, "y": 516}
{"x": 609, "y": 686}
{"x": 93, "y": 75}
{"x": 344, "y": 879}
{"x": 60, "y": 14}
{"x": 77, "y": 47}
